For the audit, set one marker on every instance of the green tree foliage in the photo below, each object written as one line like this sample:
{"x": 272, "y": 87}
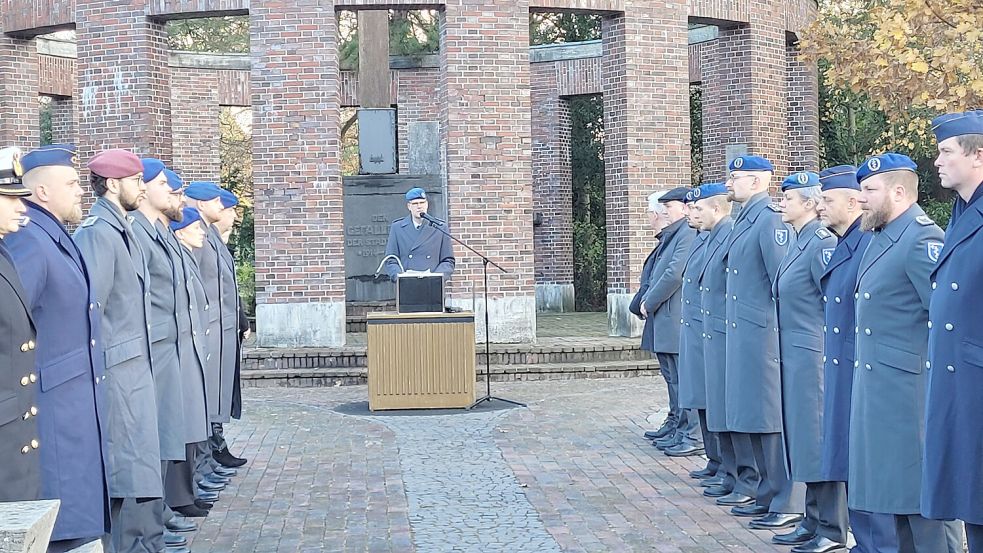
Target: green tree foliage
{"x": 213, "y": 34}
{"x": 45, "y": 116}
{"x": 589, "y": 215}
{"x": 553, "y": 28}
{"x": 696, "y": 134}
{"x": 411, "y": 33}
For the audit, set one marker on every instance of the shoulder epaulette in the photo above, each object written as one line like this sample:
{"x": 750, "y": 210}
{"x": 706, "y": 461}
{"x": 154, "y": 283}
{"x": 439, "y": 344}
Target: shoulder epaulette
{"x": 823, "y": 233}
{"x": 775, "y": 208}
{"x": 924, "y": 220}
{"x": 90, "y": 221}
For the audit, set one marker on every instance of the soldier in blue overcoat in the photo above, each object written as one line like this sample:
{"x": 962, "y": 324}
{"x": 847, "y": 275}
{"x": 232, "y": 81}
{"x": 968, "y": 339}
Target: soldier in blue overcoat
{"x": 840, "y": 212}
{"x": 754, "y": 390}
{"x": 418, "y": 244}
{"x": 800, "y": 316}
{"x": 69, "y": 366}
{"x": 952, "y": 486}
{"x": 887, "y": 417}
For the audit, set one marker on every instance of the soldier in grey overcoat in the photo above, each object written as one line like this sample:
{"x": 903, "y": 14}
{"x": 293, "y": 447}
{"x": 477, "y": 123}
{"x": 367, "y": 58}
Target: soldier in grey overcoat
{"x": 887, "y": 420}
{"x": 758, "y": 243}
{"x": 662, "y": 304}
{"x": 692, "y": 370}
{"x": 118, "y": 272}
{"x": 798, "y": 295}
{"x": 739, "y": 484}
{"x": 418, "y": 245}
{"x": 69, "y": 367}
{"x": 20, "y": 460}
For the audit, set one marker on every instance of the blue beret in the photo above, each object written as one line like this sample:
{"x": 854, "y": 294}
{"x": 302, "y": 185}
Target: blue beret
{"x": 189, "y": 216}
{"x": 751, "y": 163}
{"x": 885, "y": 163}
{"x": 416, "y": 194}
{"x": 151, "y": 168}
{"x": 677, "y": 194}
{"x": 840, "y": 176}
{"x": 174, "y": 180}
{"x": 228, "y": 199}
{"x": 957, "y": 124}
{"x": 709, "y": 190}
{"x": 689, "y": 196}
{"x": 50, "y": 155}
{"x": 203, "y": 191}
{"x": 803, "y": 179}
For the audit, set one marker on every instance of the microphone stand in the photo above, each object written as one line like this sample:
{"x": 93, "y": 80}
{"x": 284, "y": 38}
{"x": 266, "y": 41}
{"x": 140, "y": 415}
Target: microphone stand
{"x": 438, "y": 225}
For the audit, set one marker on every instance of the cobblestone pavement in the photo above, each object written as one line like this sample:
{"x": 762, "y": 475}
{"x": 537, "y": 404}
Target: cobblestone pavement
{"x": 568, "y": 473}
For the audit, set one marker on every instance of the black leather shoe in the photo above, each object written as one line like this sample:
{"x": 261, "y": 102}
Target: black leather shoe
{"x": 702, "y": 474}
{"x": 226, "y": 459}
{"x": 204, "y": 505}
{"x": 717, "y": 491}
{"x": 210, "y": 497}
{"x": 191, "y": 511}
{"x": 176, "y": 549}
{"x": 668, "y": 441}
{"x": 734, "y": 499}
{"x": 795, "y": 537}
{"x": 668, "y": 426}
{"x": 207, "y": 486}
{"x": 776, "y": 521}
{"x": 173, "y": 540}
{"x": 684, "y": 450}
{"x": 819, "y": 544}
{"x": 225, "y": 471}
{"x": 180, "y": 524}
{"x": 215, "y": 478}
{"x": 751, "y": 510}
{"x": 711, "y": 482}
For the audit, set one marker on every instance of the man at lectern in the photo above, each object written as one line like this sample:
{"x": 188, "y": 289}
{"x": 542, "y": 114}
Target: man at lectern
{"x": 417, "y": 241}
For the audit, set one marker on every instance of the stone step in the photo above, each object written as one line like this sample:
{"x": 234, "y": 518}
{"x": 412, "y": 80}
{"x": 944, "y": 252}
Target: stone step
{"x": 349, "y": 376}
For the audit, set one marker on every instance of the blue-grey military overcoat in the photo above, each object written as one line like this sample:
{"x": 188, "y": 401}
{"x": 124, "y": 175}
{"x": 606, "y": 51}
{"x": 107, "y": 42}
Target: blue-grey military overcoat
{"x": 754, "y": 390}
{"x": 118, "y": 275}
{"x": 208, "y": 267}
{"x": 20, "y": 461}
{"x": 70, "y": 371}
{"x": 839, "y": 283}
{"x": 713, "y": 286}
{"x": 662, "y": 298}
{"x": 692, "y": 373}
{"x": 420, "y": 249}
{"x": 229, "y": 309}
{"x": 953, "y": 472}
{"x": 798, "y": 296}
{"x": 887, "y": 417}
{"x": 193, "y": 333}
{"x": 162, "y": 325}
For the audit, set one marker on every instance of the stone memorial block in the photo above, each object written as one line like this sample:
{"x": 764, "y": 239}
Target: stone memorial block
{"x": 25, "y": 526}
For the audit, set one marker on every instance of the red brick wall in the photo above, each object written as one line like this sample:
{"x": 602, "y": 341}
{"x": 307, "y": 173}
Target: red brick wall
{"x": 417, "y": 99}
{"x": 195, "y": 123}
{"x": 56, "y": 75}
{"x": 64, "y": 126}
{"x": 19, "y": 107}
{"x": 37, "y": 16}
{"x": 296, "y": 162}
{"x": 123, "y": 80}
{"x": 803, "y": 113}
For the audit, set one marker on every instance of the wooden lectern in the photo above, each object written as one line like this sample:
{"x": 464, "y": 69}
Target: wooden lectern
{"x": 421, "y": 360}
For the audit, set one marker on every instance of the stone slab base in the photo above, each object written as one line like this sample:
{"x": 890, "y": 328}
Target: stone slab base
{"x": 555, "y": 298}
{"x": 280, "y": 325}
{"x": 512, "y": 318}
{"x": 621, "y": 321}
{"x": 25, "y": 526}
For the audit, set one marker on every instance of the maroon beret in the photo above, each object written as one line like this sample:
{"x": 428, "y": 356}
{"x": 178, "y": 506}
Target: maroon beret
{"x": 115, "y": 164}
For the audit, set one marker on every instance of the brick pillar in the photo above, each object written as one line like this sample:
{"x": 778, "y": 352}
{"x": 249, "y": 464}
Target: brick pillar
{"x": 195, "y": 123}
{"x": 300, "y": 268}
{"x": 803, "y": 113}
{"x": 486, "y": 121}
{"x": 20, "y": 120}
{"x": 646, "y": 135}
{"x": 123, "y": 79}
{"x": 552, "y": 192}
{"x": 64, "y": 123}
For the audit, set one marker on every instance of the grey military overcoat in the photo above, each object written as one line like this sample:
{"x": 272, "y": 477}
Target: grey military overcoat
{"x": 229, "y": 309}
{"x": 692, "y": 373}
{"x": 887, "y": 417}
{"x": 162, "y": 324}
{"x": 118, "y": 274}
{"x": 418, "y": 249}
{"x": 798, "y": 293}
{"x": 662, "y": 299}
{"x": 207, "y": 260}
{"x": 713, "y": 286}
{"x": 754, "y": 391}
{"x": 193, "y": 334}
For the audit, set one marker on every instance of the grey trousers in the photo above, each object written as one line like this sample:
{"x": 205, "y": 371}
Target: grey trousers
{"x": 137, "y": 524}
{"x": 205, "y": 463}
{"x": 669, "y": 367}
{"x": 874, "y": 532}
{"x": 974, "y": 535}
{"x": 917, "y": 534}
{"x": 826, "y": 511}
{"x": 747, "y": 477}
{"x": 775, "y": 490}
{"x": 711, "y": 442}
{"x": 179, "y": 482}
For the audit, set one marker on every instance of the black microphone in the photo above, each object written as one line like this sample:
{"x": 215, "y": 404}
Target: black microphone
{"x": 432, "y": 220}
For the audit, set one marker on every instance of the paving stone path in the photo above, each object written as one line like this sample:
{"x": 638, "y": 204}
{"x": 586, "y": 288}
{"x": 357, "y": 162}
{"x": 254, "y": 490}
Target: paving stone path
{"x": 568, "y": 473}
